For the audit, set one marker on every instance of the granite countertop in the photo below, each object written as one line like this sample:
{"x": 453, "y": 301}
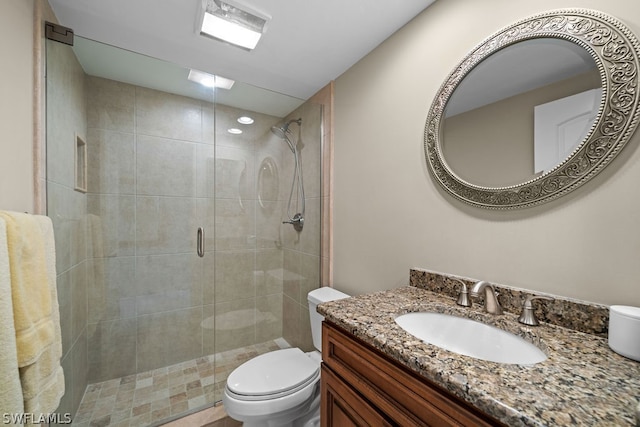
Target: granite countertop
{"x": 583, "y": 382}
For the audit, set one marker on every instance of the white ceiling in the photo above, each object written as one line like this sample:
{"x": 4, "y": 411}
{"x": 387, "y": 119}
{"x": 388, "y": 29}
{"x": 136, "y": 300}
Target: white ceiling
{"x": 307, "y": 44}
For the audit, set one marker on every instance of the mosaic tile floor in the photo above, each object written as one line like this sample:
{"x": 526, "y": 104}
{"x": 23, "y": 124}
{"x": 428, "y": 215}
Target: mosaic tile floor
{"x": 150, "y": 397}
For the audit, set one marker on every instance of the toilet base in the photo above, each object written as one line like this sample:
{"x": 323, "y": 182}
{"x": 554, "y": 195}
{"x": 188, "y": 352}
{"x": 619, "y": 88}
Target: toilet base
{"x": 305, "y": 415}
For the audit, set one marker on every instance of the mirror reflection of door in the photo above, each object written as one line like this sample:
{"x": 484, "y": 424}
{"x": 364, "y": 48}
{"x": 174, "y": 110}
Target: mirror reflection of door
{"x": 488, "y": 131}
{"x": 561, "y": 125}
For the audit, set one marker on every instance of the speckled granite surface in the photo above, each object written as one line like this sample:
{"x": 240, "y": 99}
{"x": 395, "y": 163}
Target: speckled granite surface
{"x": 582, "y": 382}
{"x": 584, "y": 317}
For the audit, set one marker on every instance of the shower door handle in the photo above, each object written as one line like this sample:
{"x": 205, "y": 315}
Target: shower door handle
{"x": 200, "y": 242}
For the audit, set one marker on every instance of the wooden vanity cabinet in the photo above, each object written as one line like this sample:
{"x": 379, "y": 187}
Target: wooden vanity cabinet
{"x": 363, "y": 387}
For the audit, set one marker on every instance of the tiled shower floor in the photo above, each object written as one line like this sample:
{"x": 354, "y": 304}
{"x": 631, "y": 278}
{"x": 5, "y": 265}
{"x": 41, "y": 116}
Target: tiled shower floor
{"x": 151, "y": 397}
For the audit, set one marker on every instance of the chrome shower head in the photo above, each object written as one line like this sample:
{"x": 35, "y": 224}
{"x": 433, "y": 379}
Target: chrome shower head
{"x": 282, "y": 131}
{"x": 279, "y": 132}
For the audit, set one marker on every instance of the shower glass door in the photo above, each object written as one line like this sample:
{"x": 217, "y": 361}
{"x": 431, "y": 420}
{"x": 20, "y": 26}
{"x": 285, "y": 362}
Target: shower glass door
{"x": 154, "y": 313}
{"x": 129, "y": 164}
{"x": 263, "y": 267}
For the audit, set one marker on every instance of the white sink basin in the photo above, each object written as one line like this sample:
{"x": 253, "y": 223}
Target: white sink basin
{"x": 470, "y": 338}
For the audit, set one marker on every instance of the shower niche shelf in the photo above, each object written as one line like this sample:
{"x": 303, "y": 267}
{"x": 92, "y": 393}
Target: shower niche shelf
{"x": 80, "y": 163}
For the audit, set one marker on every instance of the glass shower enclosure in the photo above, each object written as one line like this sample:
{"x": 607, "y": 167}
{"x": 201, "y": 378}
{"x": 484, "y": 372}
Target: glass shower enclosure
{"x": 168, "y": 201}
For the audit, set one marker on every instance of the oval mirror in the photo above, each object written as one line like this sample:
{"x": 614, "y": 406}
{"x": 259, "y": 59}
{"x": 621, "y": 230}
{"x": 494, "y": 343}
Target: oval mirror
{"x": 535, "y": 111}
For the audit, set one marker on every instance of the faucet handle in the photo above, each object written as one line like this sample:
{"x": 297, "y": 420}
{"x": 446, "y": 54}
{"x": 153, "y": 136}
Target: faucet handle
{"x": 463, "y": 296}
{"x": 528, "y": 317}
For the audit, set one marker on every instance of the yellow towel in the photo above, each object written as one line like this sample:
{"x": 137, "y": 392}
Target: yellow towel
{"x": 35, "y": 306}
{"x": 10, "y": 389}
{"x": 43, "y": 381}
{"x": 29, "y": 286}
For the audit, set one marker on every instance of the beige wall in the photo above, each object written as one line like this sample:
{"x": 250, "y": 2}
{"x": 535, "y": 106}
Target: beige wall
{"x": 16, "y": 106}
{"x": 390, "y": 215}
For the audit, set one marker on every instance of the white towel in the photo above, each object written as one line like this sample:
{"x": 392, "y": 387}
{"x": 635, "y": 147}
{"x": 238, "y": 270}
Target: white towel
{"x": 10, "y": 389}
{"x": 43, "y": 381}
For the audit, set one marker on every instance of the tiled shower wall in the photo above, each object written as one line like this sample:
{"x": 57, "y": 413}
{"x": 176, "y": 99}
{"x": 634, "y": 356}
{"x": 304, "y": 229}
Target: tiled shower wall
{"x": 67, "y": 209}
{"x": 302, "y": 251}
{"x": 156, "y": 177}
{"x": 133, "y": 294}
{"x": 146, "y": 302}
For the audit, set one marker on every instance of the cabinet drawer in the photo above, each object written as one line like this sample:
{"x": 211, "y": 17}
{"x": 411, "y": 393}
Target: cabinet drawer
{"x": 400, "y": 394}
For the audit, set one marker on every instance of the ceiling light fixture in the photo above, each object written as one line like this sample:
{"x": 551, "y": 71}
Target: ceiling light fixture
{"x": 234, "y": 131}
{"x": 245, "y": 120}
{"x": 210, "y": 80}
{"x": 233, "y": 24}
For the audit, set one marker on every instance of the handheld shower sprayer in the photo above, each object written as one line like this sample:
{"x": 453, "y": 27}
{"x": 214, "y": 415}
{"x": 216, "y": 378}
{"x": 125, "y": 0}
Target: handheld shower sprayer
{"x": 283, "y": 133}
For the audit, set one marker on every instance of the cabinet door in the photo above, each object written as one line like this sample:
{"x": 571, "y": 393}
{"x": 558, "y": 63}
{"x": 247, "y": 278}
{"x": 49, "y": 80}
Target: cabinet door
{"x": 399, "y": 396}
{"x": 342, "y": 407}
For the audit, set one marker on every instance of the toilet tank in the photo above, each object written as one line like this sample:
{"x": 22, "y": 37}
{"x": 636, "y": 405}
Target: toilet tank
{"x": 314, "y": 298}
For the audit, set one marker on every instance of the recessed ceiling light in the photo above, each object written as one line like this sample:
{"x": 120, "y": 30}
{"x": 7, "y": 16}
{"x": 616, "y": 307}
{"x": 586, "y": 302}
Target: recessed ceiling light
{"x": 245, "y": 120}
{"x": 234, "y": 131}
{"x": 233, "y": 24}
{"x": 210, "y": 80}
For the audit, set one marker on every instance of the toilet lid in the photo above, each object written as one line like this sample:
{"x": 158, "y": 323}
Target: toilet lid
{"x": 275, "y": 373}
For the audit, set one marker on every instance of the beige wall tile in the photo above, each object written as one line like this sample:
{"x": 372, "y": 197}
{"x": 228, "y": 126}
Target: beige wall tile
{"x": 167, "y": 338}
{"x": 58, "y": 212}
{"x": 235, "y": 224}
{"x": 306, "y": 340}
{"x": 80, "y": 368}
{"x": 291, "y": 276}
{"x": 165, "y": 225}
{"x": 78, "y": 277}
{"x": 111, "y": 162}
{"x": 63, "y": 283}
{"x": 205, "y": 171}
{"x": 167, "y": 282}
{"x": 66, "y": 402}
{"x": 269, "y": 318}
{"x": 110, "y": 105}
{"x": 309, "y": 240}
{"x": 165, "y": 167}
{"x": 112, "y": 349}
{"x": 269, "y": 224}
{"x": 311, "y": 142}
{"x": 111, "y": 288}
{"x": 235, "y": 324}
{"x": 66, "y": 106}
{"x": 111, "y": 225}
{"x": 269, "y": 277}
{"x": 291, "y": 320}
{"x": 234, "y": 275}
{"x": 169, "y": 116}
{"x": 208, "y": 329}
{"x": 67, "y": 210}
{"x": 235, "y": 174}
{"x": 310, "y": 272}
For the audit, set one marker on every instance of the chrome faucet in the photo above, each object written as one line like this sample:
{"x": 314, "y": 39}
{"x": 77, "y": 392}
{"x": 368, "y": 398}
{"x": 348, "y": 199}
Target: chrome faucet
{"x": 491, "y": 304}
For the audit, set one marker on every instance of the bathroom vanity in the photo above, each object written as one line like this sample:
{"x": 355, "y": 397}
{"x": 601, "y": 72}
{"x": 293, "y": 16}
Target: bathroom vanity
{"x": 362, "y": 386}
{"x": 375, "y": 373}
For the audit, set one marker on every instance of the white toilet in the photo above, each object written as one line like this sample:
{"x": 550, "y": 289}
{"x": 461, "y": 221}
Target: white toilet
{"x": 282, "y": 387}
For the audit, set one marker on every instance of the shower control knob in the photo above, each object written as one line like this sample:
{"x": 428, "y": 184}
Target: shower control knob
{"x": 297, "y": 221}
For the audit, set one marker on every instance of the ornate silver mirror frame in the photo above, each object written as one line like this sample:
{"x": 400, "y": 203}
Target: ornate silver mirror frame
{"x": 614, "y": 49}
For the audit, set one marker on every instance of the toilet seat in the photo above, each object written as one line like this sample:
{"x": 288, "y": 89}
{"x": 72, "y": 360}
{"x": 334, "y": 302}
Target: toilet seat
{"x": 273, "y": 375}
